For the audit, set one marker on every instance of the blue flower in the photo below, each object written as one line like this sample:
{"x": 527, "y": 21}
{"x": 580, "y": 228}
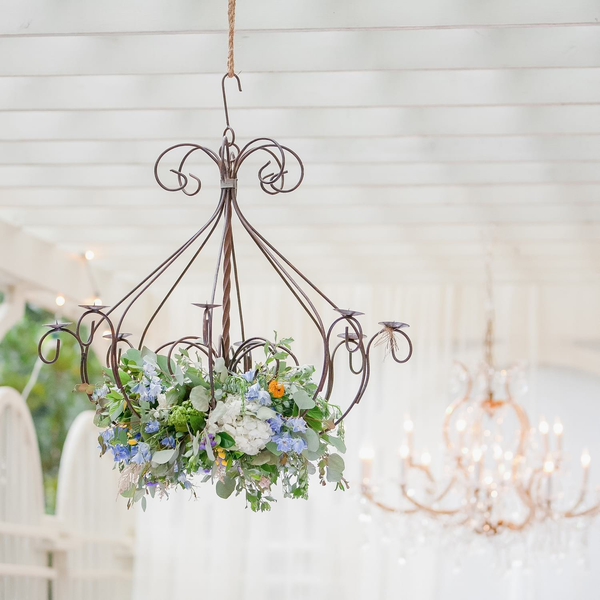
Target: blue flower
{"x": 168, "y": 442}
{"x": 184, "y": 482}
{"x": 249, "y": 375}
{"x": 284, "y": 442}
{"x": 276, "y": 423}
{"x": 252, "y": 393}
{"x": 255, "y": 393}
{"x": 108, "y": 435}
{"x": 297, "y": 424}
{"x": 152, "y": 427}
{"x": 120, "y": 452}
{"x": 149, "y": 369}
{"x": 100, "y": 393}
{"x": 299, "y": 444}
{"x": 141, "y": 453}
{"x": 264, "y": 398}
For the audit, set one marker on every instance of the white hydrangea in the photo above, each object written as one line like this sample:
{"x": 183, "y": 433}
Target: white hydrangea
{"x": 250, "y": 433}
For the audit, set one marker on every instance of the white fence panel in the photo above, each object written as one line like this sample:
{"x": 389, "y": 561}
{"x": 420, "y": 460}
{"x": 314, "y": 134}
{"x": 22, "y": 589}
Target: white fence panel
{"x": 97, "y": 558}
{"x": 24, "y": 549}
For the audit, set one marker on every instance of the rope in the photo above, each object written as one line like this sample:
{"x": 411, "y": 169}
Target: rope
{"x": 231, "y": 17}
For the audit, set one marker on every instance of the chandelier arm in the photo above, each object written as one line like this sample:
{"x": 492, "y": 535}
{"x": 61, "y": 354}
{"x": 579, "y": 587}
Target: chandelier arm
{"x": 291, "y": 283}
{"x": 358, "y": 333}
{"x": 108, "y": 354}
{"x": 148, "y": 281}
{"x": 253, "y": 232}
{"x": 51, "y": 361}
{"x": 252, "y": 344}
{"x": 455, "y": 405}
{"x": 156, "y": 273}
{"x": 238, "y": 292}
{"x": 185, "y": 341}
{"x": 181, "y": 276}
{"x": 369, "y": 495}
{"x": 425, "y": 507}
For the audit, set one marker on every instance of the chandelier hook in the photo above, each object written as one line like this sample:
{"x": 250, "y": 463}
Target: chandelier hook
{"x": 226, "y": 76}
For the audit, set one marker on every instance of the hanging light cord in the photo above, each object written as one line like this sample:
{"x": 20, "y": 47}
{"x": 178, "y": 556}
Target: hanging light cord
{"x": 231, "y": 17}
{"x": 489, "y": 332}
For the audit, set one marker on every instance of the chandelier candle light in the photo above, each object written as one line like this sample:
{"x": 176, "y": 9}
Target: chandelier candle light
{"x": 501, "y": 475}
{"x": 200, "y": 405}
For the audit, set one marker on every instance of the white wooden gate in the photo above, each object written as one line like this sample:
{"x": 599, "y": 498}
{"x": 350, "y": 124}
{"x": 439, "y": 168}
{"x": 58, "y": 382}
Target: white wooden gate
{"x": 24, "y": 547}
{"x": 86, "y": 550}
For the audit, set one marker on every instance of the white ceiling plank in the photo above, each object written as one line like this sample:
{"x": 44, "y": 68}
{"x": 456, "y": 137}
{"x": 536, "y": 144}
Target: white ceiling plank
{"x": 201, "y": 125}
{"x": 367, "y": 214}
{"x": 35, "y": 17}
{"x": 344, "y": 150}
{"x": 426, "y": 232}
{"x": 358, "y": 89}
{"x": 303, "y": 51}
{"x": 148, "y": 198}
{"x": 427, "y": 175}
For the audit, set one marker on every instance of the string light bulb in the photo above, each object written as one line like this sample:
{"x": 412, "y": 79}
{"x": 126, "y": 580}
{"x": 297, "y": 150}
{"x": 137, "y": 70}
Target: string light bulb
{"x": 60, "y": 300}
{"x": 89, "y": 255}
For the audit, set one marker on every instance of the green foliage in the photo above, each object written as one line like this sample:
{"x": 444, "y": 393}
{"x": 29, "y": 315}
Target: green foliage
{"x": 51, "y": 401}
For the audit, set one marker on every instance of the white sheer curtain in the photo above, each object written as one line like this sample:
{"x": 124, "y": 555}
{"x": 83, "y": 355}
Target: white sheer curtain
{"x": 313, "y": 549}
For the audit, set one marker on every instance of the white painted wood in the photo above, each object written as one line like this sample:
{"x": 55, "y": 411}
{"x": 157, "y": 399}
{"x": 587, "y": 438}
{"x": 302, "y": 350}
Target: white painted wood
{"x": 568, "y": 47}
{"x": 98, "y": 526}
{"x": 34, "y": 17}
{"x": 274, "y": 90}
{"x": 23, "y": 560}
{"x": 362, "y": 151}
{"x": 11, "y": 309}
{"x": 171, "y": 127}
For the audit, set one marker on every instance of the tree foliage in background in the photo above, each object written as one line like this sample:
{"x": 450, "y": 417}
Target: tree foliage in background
{"x": 52, "y": 402}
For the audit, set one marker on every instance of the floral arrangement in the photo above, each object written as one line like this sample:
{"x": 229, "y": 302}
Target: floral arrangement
{"x": 255, "y": 429}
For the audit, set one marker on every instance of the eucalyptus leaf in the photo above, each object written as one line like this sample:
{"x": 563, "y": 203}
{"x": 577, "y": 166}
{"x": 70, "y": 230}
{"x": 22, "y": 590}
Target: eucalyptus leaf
{"x": 264, "y": 413}
{"x": 225, "y": 488}
{"x": 144, "y": 503}
{"x": 263, "y": 458}
{"x": 272, "y": 447}
{"x": 336, "y": 462}
{"x": 312, "y": 439}
{"x": 209, "y": 450}
{"x": 333, "y": 476}
{"x": 337, "y": 442}
{"x": 221, "y": 369}
{"x": 149, "y": 356}
{"x": 200, "y": 398}
{"x": 303, "y": 400}
{"x": 163, "y": 456}
{"x": 134, "y": 356}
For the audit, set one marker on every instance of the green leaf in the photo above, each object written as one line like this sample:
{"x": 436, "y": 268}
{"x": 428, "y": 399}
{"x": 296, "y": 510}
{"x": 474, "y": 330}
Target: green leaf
{"x": 225, "y": 488}
{"x": 144, "y": 503}
{"x": 272, "y": 447}
{"x": 264, "y": 413}
{"x": 333, "y": 476}
{"x": 200, "y": 398}
{"x": 149, "y": 356}
{"x": 303, "y": 400}
{"x": 337, "y": 443}
{"x": 134, "y": 356}
{"x": 336, "y": 462}
{"x": 116, "y": 411}
{"x": 226, "y": 440}
{"x": 221, "y": 369}
{"x": 209, "y": 450}
{"x": 263, "y": 458}
{"x": 163, "y": 456}
{"x": 312, "y": 439}
{"x": 280, "y": 355}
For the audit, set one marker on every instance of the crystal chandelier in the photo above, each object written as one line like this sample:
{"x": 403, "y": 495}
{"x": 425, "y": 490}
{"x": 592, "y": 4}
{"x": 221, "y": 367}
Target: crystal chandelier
{"x": 500, "y": 475}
